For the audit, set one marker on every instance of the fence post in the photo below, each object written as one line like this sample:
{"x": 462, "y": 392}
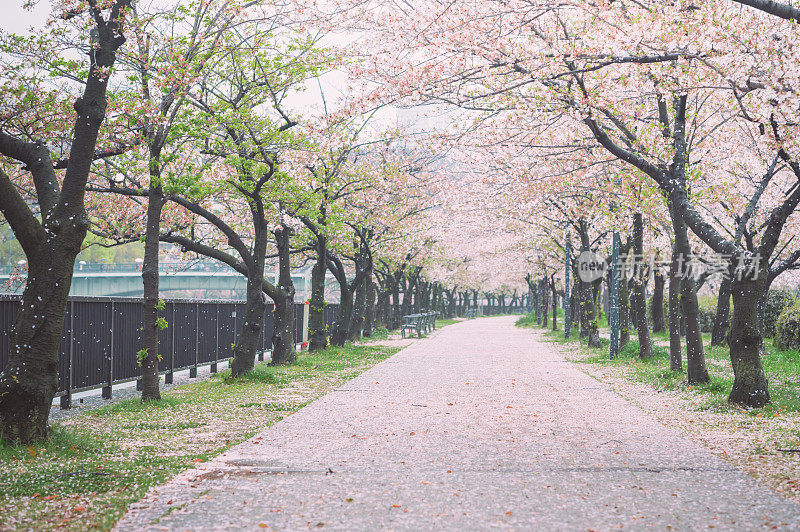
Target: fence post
{"x": 306, "y": 311}
{"x": 170, "y": 375}
{"x": 66, "y": 399}
{"x": 262, "y": 339}
{"x": 107, "y": 389}
{"x": 193, "y": 369}
{"x": 567, "y": 300}
{"x": 216, "y": 338}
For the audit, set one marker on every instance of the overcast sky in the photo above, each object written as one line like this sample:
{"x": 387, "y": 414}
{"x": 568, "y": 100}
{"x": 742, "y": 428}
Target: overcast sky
{"x": 17, "y": 20}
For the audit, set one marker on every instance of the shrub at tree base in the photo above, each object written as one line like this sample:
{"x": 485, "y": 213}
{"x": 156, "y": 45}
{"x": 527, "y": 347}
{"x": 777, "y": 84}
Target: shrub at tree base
{"x": 707, "y": 310}
{"x": 787, "y": 330}
{"x": 776, "y": 302}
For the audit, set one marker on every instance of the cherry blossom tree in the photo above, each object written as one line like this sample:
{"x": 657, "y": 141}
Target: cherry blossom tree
{"x": 51, "y": 222}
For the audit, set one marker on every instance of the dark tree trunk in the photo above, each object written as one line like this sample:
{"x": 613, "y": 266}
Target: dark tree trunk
{"x": 545, "y": 303}
{"x": 554, "y": 297}
{"x": 284, "y": 350}
{"x": 575, "y": 302}
{"x": 396, "y": 315}
{"x": 359, "y": 308}
{"x": 675, "y": 314}
{"x": 750, "y": 386}
{"x": 657, "y": 308}
{"x": 340, "y": 330}
{"x": 150, "y": 277}
{"x": 370, "y": 307}
{"x": 30, "y": 379}
{"x": 719, "y": 332}
{"x": 245, "y": 350}
{"x": 640, "y": 279}
{"x": 632, "y": 307}
{"x": 451, "y": 303}
{"x": 624, "y": 311}
{"x": 408, "y": 290}
{"x": 317, "y": 331}
{"x": 695, "y": 356}
{"x": 589, "y": 328}
{"x": 624, "y": 298}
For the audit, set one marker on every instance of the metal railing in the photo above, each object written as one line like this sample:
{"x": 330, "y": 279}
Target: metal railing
{"x": 132, "y": 267}
{"x": 101, "y": 337}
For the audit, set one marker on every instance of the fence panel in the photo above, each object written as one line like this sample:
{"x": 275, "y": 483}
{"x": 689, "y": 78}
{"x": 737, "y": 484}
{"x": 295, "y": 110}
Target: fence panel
{"x": 207, "y": 333}
{"x": 186, "y": 323}
{"x": 64, "y": 361}
{"x": 165, "y": 339}
{"x": 331, "y": 312}
{"x": 128, "y": 319}
{"x": 8, "y": 313}
{"x": 226, "y": 329}
{"x": 91, "y": 342}
{"x": 101, "y": 337}
{"x": 298, "y": 321}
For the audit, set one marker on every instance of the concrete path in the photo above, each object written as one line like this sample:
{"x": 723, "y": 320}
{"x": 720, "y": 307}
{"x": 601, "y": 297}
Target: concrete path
{"x": 479, "y": 426}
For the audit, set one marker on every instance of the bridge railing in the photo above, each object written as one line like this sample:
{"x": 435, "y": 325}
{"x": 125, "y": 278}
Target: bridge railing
{"x": 101, "y": 337}
{"x": 491, "y": 310}
{"x": 130, "y": 267}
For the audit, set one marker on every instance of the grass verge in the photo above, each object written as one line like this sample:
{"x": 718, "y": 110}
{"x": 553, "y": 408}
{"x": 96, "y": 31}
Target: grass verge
{"x": 96, "y": 464}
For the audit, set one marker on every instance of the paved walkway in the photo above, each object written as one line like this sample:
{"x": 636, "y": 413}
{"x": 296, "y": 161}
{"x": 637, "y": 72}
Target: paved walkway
{"x": 476, "y": 427}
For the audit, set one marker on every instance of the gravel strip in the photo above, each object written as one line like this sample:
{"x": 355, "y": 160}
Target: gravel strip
{"x": 479, "y": 426}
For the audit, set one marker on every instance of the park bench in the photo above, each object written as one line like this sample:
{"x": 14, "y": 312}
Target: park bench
{"x": 471, "y": 313}
{"x": 411, "y": 322}
{"x": 425, "y": 322}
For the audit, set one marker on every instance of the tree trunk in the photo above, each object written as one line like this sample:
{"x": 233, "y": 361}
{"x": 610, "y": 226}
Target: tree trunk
{"x": 317, "y": 331}
{"x": 624, "y": 311}
{"x": 284, "y": 350}
{"x": 370, "y": 306}
{"x": 589, "y": 329}
{"x": 657, "y": 308}
{"x": 342, "y": 327}
{"x": 408, "y": 290}
{"x": 245, "y": 350}
{"x": 575, "y": 303}
{"x": 451, "y": 304}
{"x": 719, "y": 332}
{"x": 554, "y": 297}
{"x": 359, "y": 307}
{"x": 640, "y": 280}
{"x": 30, "y": 379}
{"x": 545, "y": 303}
{"x": 750, "y": 383}
{"x": 150, "y": 275}
{"x": 675, "y": 355}
{"x": 396, "y": 316}
{"x": 695, "y": 357}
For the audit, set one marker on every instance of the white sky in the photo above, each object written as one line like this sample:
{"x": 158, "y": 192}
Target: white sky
{"x": 15, "y": 19}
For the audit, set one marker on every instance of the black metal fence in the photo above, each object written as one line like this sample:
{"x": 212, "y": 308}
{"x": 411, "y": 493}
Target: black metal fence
{"x": 102, "y": 336}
